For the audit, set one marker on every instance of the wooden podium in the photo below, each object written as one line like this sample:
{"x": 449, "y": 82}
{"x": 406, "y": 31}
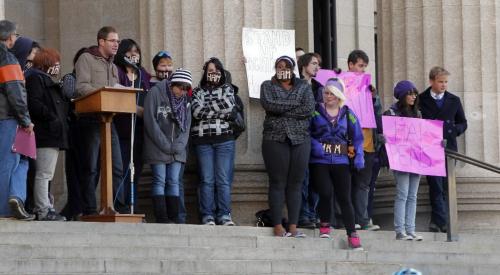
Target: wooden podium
{"x": 106, "y": 102}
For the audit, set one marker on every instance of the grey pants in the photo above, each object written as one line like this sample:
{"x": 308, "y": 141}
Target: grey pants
{"x": 286, "y": 166}
{"x": 46, "y": 160}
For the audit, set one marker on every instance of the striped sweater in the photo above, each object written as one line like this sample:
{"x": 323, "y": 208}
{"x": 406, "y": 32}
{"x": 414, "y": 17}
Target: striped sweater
{"x": 212, "y": 113}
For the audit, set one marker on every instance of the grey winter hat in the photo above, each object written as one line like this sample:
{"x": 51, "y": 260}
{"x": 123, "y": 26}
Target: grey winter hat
{"x": 182, "y": 76}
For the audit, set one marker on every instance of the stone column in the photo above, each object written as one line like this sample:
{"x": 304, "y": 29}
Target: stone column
{"x": 356, "y": 30}
{"x": 463, "y": 37}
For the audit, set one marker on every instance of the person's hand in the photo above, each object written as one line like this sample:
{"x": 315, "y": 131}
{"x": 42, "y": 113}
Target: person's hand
{"x": 381, "y": 138}
{"x": 350, "y": 151}
{"x": 444, "y": 142}
{"x": 140, "y": 111}
{"x": 373, "y": 90}
{"x": 337, "y": 70}
{"x": 29, "y": 128}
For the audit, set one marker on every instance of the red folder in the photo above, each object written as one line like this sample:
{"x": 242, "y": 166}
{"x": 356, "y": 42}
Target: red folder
{"x": 24, "y": 143}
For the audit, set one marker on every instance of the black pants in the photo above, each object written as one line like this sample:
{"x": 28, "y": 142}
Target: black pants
{"x": 91, "y": 141}
{"x": 334, "y": 180}
{"x": 286, "y": 165}
{"x": 73, "y": 163}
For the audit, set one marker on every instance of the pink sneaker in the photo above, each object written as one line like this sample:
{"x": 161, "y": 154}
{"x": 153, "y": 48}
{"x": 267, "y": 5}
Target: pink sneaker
{"x": 354, "y": 242}
{"x": 324, "y": 231}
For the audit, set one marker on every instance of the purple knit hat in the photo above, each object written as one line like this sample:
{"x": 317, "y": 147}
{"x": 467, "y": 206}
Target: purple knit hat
{"x": 402, "y": 88}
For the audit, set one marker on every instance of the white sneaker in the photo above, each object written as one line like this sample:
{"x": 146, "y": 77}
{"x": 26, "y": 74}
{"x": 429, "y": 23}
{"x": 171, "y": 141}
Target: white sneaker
{"x": 228, "y": 223}
{"x": 209, "y": 222}
{"x": 403, "y": 237}
{"x": 357, "y": 227}
{"x": 415, "y": 236}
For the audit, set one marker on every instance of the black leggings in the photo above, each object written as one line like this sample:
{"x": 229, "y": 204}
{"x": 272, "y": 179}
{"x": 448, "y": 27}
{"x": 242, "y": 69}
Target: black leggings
{"x": 286, "y": 166}
{"x": 329, "y": 179}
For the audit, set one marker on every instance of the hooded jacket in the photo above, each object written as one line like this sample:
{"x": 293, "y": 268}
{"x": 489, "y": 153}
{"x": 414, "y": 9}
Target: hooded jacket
{"x": 94, "y": 71}
{"x": 21, "y": 50}
{"x": 13, "y": 102}
{"x": 49, "y": 110}
{"x": 323, "y": 132}
{"x": 164, "y": 140}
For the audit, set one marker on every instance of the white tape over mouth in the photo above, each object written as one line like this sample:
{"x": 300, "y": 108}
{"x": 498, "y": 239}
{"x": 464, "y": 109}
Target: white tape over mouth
{"x": 214, "y": 77}
{"x": 284, "y": 75}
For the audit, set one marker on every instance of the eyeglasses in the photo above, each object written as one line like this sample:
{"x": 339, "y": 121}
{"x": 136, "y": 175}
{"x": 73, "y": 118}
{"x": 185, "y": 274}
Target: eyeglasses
{"x": 113, "y": 40}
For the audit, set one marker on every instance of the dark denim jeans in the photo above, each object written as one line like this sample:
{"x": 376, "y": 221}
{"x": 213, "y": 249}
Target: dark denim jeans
{"x": 361, "y": 188}
{"x": 216, "y": 165}
{"x": 438, "y": 188}
{"x": 13, "y": 167}
{"x": 310, "y": 201}
{"x": 91, "y": 141}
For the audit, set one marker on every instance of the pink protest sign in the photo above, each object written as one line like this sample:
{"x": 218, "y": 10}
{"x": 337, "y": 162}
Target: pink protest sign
{"x": 414, "y": 145}
{"x": 359, "y": 97}
{"x": 24, "y": 144}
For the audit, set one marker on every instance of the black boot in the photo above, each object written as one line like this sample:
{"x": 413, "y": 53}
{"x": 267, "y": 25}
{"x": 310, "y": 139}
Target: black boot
{"x": 172, "y": 208}
{"x": 160, "y": 209}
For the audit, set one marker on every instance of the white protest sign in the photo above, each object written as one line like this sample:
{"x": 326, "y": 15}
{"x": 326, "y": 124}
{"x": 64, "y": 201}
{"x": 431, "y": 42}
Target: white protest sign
{"x": 261, "y": 48}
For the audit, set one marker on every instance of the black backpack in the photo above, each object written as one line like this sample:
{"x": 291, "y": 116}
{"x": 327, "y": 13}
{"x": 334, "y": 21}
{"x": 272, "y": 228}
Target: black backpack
{"x": 263, "y": 219}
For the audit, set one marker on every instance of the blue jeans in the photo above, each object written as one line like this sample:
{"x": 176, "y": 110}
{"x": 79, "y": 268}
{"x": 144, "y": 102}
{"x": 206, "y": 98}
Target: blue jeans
{"x": 13, "y": 167}
{"x": 405, "y": 204}
{"x": 216, "y": 165}
{"x": 182, "y": 205}
{"x": 438, "y": 188}
{"x": 166, "y": 179}
{"x": 91, "y": 166}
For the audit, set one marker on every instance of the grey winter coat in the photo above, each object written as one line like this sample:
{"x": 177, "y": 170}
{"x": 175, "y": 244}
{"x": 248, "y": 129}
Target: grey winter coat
{"x": 164, "y": 141}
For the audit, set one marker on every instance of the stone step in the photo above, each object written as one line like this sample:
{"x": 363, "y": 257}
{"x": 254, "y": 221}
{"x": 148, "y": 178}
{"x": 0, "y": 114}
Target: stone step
{"x": 278, "y": 267}
{"x": 27, "y": 252}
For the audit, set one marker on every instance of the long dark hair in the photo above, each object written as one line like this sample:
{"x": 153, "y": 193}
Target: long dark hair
{"x": 125, "y": 46}
{"x": 405, "y": 109}
{"x": 218, "y": 66}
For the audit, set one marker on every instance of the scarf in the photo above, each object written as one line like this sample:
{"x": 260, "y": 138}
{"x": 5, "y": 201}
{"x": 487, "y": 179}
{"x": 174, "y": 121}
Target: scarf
{"x": 179, "y": 106}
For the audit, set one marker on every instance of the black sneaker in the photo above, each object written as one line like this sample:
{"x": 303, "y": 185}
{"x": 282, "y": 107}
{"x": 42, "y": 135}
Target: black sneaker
{"x": 306, "y": 224}
{"x": 436, "y": 228}
{"x": 52, "y": 216}
{"x": 18, "y": 211}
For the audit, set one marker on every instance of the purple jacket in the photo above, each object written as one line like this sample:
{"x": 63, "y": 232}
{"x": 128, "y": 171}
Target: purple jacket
{"x": 324, "y": 132}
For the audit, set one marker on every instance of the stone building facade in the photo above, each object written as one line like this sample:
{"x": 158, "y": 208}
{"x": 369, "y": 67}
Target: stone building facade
{"x": 411, "y": 37}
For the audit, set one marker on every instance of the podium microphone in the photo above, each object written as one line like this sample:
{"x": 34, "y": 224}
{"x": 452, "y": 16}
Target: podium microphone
{"x": 131, "y": 64}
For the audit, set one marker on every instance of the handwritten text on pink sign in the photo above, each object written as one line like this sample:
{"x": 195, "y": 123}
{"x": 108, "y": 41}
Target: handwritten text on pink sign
{"x": 414, "y": 145}
{"x": 359, "y": 97}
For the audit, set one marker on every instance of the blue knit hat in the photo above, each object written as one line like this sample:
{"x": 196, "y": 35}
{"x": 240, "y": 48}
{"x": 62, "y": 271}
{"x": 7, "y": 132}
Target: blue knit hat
{"x": 402, "y": 88}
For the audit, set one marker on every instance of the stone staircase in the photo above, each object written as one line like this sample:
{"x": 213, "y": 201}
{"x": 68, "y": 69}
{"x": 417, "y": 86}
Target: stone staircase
{"x": 103, "y": 248}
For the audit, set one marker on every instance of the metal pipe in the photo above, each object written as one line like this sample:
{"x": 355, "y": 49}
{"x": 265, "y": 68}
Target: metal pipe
{"x": 452, "y": 232}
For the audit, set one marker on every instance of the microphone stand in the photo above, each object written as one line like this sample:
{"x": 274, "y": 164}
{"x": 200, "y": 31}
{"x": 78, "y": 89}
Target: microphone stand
{"x": 131, "y": 163}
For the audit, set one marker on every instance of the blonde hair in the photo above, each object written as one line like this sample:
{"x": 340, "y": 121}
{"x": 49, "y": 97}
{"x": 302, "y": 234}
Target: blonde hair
{"x": 437, "y": 71}
{"x": 334, "y": 89}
